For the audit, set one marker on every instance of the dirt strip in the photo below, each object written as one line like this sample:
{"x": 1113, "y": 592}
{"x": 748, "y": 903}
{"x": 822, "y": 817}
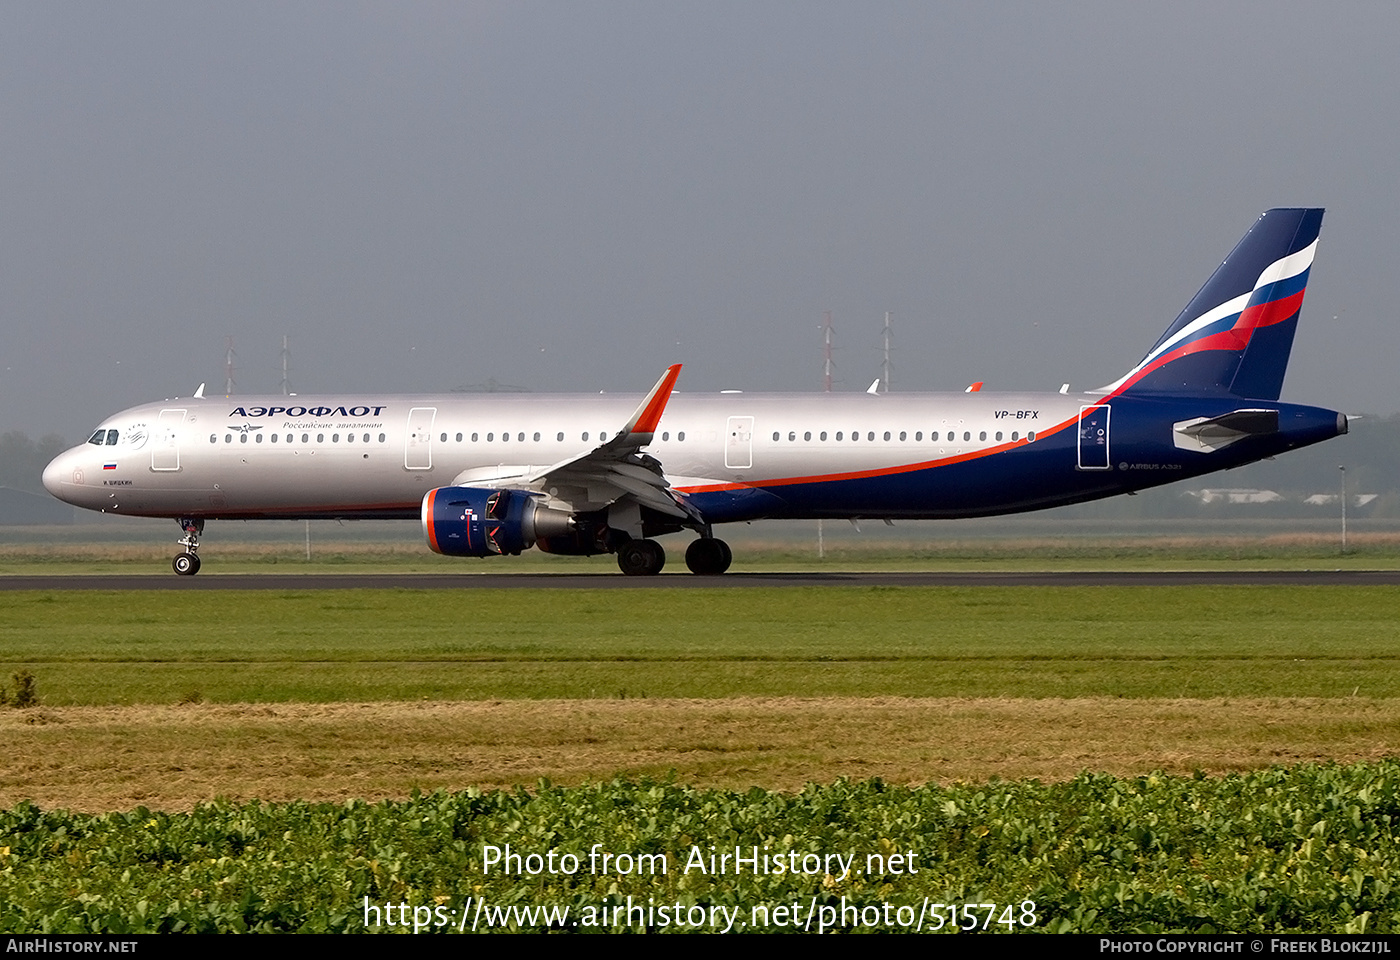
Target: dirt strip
{"x": 173, "y": 757}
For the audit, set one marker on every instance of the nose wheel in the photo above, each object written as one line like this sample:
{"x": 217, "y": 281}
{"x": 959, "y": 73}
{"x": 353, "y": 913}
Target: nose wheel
{"x": 187, "y": 564}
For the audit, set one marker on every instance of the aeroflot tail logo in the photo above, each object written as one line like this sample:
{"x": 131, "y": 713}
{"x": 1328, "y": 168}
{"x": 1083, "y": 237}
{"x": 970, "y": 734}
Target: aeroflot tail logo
{"x": 306, "y": 411}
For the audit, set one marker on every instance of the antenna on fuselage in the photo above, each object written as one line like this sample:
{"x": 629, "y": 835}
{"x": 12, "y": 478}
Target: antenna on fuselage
{"x": 885, "y": 370}
{"x": 229, "y": 382}
{"x": 827, "y": 331}
{"x": 286, "y": 356}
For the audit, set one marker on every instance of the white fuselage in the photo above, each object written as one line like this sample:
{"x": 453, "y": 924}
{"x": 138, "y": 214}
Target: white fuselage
{"x": 357, "y": 456}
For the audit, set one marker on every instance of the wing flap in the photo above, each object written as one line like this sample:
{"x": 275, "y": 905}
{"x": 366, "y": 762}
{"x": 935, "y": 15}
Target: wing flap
{"x": 617, "y": 469}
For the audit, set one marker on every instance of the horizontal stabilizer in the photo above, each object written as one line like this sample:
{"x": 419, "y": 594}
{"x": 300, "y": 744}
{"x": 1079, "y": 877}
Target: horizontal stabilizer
{"x": 1208, "y": 434}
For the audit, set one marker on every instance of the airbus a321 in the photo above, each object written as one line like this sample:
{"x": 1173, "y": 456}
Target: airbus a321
{"x": 608, "y": 474}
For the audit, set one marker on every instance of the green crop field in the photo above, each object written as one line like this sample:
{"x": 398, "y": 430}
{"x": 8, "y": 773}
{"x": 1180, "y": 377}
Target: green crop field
{"x": 1305, "y": 850}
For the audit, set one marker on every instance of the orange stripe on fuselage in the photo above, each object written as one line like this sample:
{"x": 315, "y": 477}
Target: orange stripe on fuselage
{"x": 882, "y": 471}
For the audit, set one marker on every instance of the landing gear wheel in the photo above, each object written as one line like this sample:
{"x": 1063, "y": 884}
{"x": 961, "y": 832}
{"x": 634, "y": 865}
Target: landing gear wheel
{"x": 641, "y": 558}
{"x": 708, "y": 557}
{"x": 185, "y": 564}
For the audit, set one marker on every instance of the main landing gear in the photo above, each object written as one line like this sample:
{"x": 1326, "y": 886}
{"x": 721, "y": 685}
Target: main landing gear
{"x": 641, "y": 558}
{"x": 187, "y": 564}
{"x": 706, "y": 557}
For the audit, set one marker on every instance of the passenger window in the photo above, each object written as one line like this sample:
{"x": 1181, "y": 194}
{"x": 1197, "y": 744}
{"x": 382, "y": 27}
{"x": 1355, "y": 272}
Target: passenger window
{"x": 982, "y": 435}
{"x": 681, "y": 435}
{"x": 807, "y": 435}
{"x": 585, "y": 435}
{"x": 1015, "y": 434}
{"x": 998, "y": 436}
{"x": 775, "y": 435}
{"x": 273, "y": 438}
{"x": 490, "y": 437}
{"x": 666, "y": 435}
{"x": 381, "y": 438}
{"x": 443, "y": 438}
{"x": 1030, "y": 436}
{"x": 967, "y": 435}
{"x": 320, "y": 438}
{"x": 459, "y": 438}
{"x": 537, "y": 438}
{"x": 213, "y": 438}
{"x": 602, "y": 436}
{"x": 871, "y": 435}
{"x": 918, "y": 435}
{"x": 306, "y": 438}
{"x": 259, "y": 438}
{"x": 228, "y": 438}
{"x": 521, "y": 438}
{"x": 560, "y": 438}
{"x": 350, "y": 438}
{"x": 474, "y": 436}
{"x": 823, "y": 435}
{"x": 242, "y": 438}
{"x": 887, "y": 435}
{"x": 838, "y": 434}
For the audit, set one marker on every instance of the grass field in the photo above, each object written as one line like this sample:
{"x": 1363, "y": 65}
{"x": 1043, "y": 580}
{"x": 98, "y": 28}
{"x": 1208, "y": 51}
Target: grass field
{"x": 169, "y": 699}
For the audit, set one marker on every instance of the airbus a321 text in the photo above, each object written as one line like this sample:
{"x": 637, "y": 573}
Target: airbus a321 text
{"x": 607, "y": 474}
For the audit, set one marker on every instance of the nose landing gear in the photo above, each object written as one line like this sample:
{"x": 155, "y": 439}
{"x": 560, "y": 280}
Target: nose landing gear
{"x": 187, "y": 564}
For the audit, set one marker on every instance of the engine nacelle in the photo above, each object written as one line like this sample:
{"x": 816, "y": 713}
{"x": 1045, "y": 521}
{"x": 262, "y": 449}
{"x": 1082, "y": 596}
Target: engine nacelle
{"x": 475, "y": 522}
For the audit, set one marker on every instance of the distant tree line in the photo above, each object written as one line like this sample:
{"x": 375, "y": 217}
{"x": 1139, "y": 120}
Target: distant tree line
{"x": 22, "y": 461}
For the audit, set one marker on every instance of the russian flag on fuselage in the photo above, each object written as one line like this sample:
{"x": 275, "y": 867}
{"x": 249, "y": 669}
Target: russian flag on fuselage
{"x": 1235, "y": 335}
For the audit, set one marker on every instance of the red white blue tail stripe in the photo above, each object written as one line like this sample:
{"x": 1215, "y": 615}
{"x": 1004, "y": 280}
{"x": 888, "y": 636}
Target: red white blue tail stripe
{"x": 1235, "y": 336}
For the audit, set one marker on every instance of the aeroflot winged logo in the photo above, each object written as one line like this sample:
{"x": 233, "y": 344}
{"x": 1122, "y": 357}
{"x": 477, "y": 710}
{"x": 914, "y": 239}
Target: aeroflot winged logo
{"x": 360, "y": 411}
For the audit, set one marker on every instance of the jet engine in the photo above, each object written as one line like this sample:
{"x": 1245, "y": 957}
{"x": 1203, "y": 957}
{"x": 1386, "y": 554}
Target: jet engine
{"x": 475, "y": 522}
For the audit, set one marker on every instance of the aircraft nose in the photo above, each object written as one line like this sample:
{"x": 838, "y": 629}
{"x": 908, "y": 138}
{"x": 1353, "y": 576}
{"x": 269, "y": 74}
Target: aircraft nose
{"x": 53, "y": 475}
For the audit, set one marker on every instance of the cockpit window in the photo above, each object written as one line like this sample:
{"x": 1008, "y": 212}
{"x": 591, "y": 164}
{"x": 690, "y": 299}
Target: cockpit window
{"x": 111, "y": 438}
{"x": 98, "y": 438}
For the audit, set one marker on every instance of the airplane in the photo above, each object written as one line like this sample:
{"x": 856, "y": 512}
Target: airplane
{"x": 594, "y": 474}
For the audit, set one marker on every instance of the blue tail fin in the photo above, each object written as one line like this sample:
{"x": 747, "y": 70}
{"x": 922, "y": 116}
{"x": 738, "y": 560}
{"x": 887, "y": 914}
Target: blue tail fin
{"x": 1234, "y": 336}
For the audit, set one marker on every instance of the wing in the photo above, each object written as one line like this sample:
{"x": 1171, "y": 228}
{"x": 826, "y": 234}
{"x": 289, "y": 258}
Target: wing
{"x": 617, "y": 469}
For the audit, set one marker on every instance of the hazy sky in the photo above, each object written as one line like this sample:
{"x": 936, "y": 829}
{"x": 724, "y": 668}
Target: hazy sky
{"x": 570, "y": 196}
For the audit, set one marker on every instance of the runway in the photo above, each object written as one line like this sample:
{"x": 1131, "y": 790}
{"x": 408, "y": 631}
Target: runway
{"x": 591, "y": 581}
